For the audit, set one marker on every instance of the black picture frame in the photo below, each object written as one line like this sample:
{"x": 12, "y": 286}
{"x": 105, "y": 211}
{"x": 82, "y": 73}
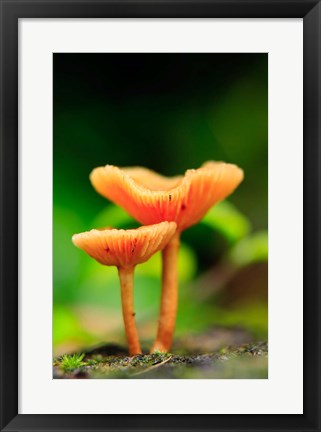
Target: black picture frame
{"x": 11, "y": 12}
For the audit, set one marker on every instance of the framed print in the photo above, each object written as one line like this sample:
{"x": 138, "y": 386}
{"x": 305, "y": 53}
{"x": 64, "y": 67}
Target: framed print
{"x": 160, "y": 215}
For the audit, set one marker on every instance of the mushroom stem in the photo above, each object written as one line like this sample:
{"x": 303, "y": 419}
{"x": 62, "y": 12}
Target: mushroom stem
{"x": 126, "y": 277}
{"x": 169, "y": 297}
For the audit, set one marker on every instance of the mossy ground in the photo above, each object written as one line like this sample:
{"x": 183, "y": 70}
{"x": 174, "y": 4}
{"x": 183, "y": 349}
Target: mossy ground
{"x": 247, "y": 360}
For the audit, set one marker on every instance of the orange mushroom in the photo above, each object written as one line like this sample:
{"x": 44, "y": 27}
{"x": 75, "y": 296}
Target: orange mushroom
{"x": 125, "y": 249}
{"x": 152, "y": 198}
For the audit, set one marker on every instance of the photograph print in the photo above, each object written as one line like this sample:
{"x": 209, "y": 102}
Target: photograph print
{"x": 160, "y": 216}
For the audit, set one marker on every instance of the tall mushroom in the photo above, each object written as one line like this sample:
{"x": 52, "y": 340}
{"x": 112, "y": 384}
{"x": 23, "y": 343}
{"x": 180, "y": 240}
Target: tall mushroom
{"x": 125, "y": 249}
{"x": 151, "y": 198}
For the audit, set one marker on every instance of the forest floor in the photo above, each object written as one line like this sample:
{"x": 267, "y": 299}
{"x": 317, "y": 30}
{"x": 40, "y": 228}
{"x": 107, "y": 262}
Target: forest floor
{"x": 205, "y": 356}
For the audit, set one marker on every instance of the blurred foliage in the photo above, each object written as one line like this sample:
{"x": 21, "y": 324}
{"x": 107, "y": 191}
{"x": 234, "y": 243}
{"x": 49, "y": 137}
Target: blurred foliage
{"x": 251, "y": 249}
{"x": 227, "y": 220}
{"x": 169, "y": 112}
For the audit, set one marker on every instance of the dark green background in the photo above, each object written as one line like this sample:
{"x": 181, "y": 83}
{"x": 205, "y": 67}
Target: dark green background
{"x": 168, "y": 112}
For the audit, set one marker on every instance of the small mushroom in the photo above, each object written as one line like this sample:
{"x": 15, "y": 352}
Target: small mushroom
{"x": 125, "y": 249}
{"x": 152, "y": 198}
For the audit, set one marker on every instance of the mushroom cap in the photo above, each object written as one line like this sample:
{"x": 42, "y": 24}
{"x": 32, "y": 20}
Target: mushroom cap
{"x": 151, "y": 179}
{"x": 125, "y": 248}
{"x": 151, "y": 198}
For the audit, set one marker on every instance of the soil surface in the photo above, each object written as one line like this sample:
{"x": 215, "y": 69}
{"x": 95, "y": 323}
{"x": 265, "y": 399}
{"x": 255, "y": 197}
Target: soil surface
{"x": 219, "y": 353}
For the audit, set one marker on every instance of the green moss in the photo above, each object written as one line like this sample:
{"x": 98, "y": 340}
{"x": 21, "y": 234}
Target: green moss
{"x": 71, "y": 362}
